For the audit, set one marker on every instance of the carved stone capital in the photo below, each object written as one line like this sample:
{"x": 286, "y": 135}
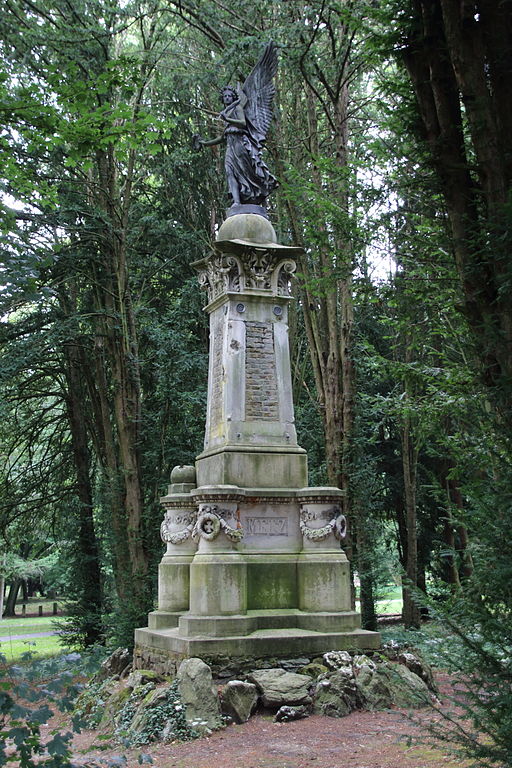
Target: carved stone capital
{"x": 246, "y": 268}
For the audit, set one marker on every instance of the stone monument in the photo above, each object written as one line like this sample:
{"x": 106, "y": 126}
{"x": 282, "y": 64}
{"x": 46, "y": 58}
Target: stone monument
{"x": 254, "y": 565}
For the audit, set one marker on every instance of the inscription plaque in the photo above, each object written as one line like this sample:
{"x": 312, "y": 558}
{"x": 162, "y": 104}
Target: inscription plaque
{"x": 266, "y": 526}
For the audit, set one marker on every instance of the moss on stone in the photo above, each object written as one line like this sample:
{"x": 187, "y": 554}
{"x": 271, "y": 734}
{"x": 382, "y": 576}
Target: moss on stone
{"x": 271, "y": 585}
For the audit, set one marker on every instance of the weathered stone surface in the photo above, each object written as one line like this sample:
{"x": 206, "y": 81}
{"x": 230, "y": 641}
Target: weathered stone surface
{"x": 118, "y": 663}
{"x": 361, "y": 660}
{"x": 419, "y": 666}
{"x": 336, "y": 694}
{"x": 285, "y": 714}
{"x": 313, "y": 670}
{"x": 153, "y": 699}
{"x": 114, "y": 703}
{"x": 279, "y": 687}
{"x": 391, "y": 685}
{"x": 337, "y": 659}
{"x": 197, "y": 694}
{"x": 292, "y": 665}
{"x": 239, "y": 699}
{"x": 143, "y": 676}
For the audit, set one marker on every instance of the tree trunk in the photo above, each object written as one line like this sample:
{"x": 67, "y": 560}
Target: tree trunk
{"x": 10, "y": 603}
{"x": 114, "y": 300}
{"x": 2, "y": 587}
{"x": 463, "y": 51}
{"x": 411, "y": 612}
{"x": 87, "y": 561}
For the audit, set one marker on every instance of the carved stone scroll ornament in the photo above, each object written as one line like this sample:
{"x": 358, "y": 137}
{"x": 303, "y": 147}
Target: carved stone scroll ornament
{"x": 168, "y": 532}
{"x": 210, "y": 522}
{"x": 286, "y": 270}
{"x": 219, "y": 275}
{"x": 336, "y": 525}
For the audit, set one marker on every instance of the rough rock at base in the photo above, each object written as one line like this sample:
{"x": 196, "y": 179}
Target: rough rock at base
{"x": 419, "y": 666}
{"x": 196, "y": 691}
{"x": 141, "y": 717}
{"x": 118, "y": 664}
{"x": 279, "y": 687}
{"x": 391, "y": 685}
{"x": 238, "y": 700}
{"x": 313, "y": 670}
{"x": 286, "y": 714}
{"x": 143, "y": 676}
{"x": 337, "y": 659}
{"x": 336, "y": 694}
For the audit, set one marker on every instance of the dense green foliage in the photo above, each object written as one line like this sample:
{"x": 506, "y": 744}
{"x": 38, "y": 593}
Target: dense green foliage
{"x": 400, "y": 338}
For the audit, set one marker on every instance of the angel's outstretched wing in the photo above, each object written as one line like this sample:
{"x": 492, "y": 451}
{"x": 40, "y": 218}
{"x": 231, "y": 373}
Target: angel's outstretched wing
{"x": 259, "y": 89}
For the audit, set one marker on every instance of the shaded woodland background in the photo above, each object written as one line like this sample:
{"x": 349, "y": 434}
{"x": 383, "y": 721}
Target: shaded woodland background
{"x": 392, "y": 144}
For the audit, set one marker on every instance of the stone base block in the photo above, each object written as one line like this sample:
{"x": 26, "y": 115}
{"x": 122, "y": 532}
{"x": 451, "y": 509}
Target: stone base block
{"x": 282, "y": 643}
{"x": 163, "y": 619}
{"x": 253, "y": 621}
{"x": 253, "y": 469}
{"x": 324, "y": 582}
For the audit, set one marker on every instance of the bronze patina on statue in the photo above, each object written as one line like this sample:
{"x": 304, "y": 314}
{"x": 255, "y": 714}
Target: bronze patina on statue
{"x": 247, "y": 113}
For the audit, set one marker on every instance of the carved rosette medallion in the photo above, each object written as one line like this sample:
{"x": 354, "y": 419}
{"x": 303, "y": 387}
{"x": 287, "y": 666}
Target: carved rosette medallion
{"x": 333, "y": 523}
{"x": 212, "y": 520}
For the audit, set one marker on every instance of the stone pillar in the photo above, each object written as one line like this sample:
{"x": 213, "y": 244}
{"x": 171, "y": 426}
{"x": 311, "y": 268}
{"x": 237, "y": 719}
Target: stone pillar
{"x": 323, "y": 568}
{"x": 176, "y": 531}
{"x": 218, "y": 572}
{"x": 250, "y": 438}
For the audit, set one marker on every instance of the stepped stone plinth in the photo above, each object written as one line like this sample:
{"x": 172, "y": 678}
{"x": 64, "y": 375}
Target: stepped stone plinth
{"x": 254, "y": 564}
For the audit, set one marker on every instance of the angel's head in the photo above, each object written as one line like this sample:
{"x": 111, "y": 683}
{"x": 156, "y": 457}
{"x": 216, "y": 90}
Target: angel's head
{"x": 228, "y": 95}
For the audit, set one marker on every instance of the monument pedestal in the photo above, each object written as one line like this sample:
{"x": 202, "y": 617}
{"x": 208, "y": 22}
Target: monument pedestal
{"x": 254, "y": 565}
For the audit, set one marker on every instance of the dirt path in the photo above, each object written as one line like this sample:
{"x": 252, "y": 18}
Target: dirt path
{"x": 360, "y": 740}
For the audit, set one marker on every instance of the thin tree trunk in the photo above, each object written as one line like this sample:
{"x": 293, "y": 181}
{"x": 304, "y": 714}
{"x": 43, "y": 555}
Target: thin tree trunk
{"x": 87, "y": 556}
{"x": 411, "y": 612}
{"x": 2, "y": 586}
{"x": 10, "y": 603}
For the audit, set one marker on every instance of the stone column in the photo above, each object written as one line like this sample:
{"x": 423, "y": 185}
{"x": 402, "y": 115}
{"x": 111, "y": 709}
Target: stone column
{"x": 250, "y": 438}
{"x": 218, "y": 572}
{"x": 176, "y": 531}
{"x": 323, "y": 568}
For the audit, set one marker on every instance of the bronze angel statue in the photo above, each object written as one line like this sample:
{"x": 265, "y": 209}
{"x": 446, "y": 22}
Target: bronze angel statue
{"x": 247, "y": 113}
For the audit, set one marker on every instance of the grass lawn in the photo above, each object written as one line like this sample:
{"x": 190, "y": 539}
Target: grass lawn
{"x": 13, "y": 650}
{"x": 389, "y": 602}
{"x": 25, "y": 625}
{"x": 42, "y": 646}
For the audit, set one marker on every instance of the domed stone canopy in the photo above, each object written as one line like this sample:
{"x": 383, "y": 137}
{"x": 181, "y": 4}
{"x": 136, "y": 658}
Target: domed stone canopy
{"x": 249, "y": 227}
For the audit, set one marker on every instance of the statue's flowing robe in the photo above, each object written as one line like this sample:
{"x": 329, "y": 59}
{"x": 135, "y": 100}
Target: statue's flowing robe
{"x": 244, "y": 164}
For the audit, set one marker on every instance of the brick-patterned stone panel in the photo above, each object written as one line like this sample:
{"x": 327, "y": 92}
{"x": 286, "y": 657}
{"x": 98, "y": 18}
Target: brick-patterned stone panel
{"x": 261, "y": 398}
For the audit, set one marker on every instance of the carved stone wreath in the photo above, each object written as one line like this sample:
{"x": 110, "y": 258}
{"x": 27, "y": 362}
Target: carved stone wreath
{"x": 337, "y": 525}
{"x": 176, "y": 537}
{"x": 210, "y": 522}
